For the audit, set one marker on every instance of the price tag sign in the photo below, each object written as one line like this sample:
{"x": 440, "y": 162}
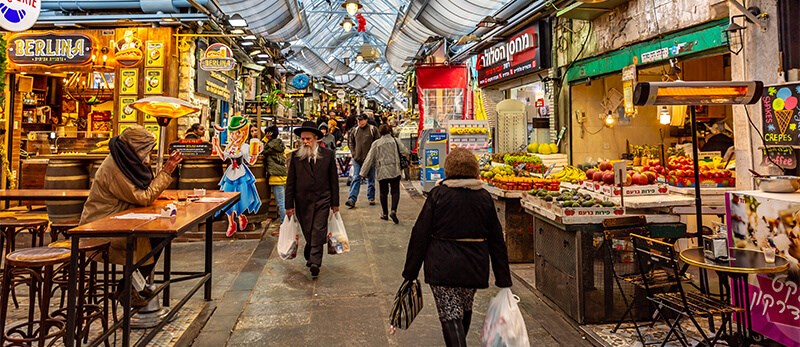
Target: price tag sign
{"x": 191, "y": 148}
{"x": 620, "y": 172}
{"x": 781, "y": 156}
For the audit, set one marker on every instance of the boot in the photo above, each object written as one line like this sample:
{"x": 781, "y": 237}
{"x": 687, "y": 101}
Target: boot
{"x": 466, "y": 321}
{"x": 454, "y": 335}
{"x": 231, "y": 224}
{"x": 242, "y": 222}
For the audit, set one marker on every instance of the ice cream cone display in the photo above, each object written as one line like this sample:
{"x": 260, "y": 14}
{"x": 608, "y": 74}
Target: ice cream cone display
{"x": 783, "y": 118}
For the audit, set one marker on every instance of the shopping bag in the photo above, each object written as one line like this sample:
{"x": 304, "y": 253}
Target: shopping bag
{"x": 504, "y": 325}
{"x": 407, "y": 304}
{"x": 338, "y": 242}
{"x": 288, "y": 238}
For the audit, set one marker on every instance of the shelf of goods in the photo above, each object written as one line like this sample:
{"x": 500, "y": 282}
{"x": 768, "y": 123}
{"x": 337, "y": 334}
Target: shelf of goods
{"x": 470, "y": 134}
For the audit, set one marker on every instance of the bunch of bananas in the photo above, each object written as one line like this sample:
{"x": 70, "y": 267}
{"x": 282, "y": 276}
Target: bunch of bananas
{"x": 715, "y": 163}
{"x": 570, "y": 174}
{"x": 468, "y": 130}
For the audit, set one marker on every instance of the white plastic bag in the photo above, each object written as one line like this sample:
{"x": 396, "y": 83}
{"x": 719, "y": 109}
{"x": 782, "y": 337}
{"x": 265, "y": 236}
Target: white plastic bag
{"x": 337, "y": 236}
{"x": 288, "y": 238}
{"x": 504, "y": 325}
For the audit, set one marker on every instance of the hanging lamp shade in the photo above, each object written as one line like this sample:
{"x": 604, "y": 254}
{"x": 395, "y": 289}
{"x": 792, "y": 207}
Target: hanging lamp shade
{"x": 352, "y": 6}
{"x": 347, "y": 24}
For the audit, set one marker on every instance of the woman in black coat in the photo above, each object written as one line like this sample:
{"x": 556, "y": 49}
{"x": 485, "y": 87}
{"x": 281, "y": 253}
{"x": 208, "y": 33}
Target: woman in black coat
{"x": 456, "y": 235}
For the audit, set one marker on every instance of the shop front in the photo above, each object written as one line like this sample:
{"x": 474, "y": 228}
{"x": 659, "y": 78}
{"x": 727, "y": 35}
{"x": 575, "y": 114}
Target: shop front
{"x": 69, "y": 91}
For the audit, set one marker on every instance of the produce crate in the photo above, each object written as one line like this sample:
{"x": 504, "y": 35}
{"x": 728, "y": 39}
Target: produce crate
{"x": 685, "y": 182}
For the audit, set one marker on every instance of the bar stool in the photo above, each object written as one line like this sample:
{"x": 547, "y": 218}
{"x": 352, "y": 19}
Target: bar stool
{"x": 38, "y": 263}
{"x": 93, "y": 293}
{"x": 9, "y": 229}
{"x": 61, "y": 227}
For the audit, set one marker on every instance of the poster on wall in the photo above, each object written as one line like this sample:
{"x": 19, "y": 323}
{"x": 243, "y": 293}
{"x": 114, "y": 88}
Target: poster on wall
{"x": 779, "y": 107}
{"x": 123, "y": 126}
{"x": 154, "y": 81}
{"x": 126, "y": 112}
{"x": 155, "y": 54}
{"x": 757, "y": 220}
{"x": 129, "y": 79}
{"x": 129, "y": 49}
{"x": 154, "y": 129}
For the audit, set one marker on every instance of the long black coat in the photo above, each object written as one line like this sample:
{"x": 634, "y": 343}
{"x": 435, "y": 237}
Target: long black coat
{"x": 447, "y": 234}
{"x": 312, "y": 189}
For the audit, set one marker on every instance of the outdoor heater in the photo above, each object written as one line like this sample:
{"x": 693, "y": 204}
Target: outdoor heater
{"x": 692, "y": 94}
{"x": 164, "y": 108}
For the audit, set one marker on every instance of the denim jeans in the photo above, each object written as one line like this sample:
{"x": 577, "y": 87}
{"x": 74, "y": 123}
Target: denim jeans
{"x": 355, "y": 185}
{"x": 279, "y": 192}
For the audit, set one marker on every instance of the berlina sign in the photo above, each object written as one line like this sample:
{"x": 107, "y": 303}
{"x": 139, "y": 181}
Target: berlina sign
{"x": 217, "y": 57}
{"x": 49, "y": 49}
{"x": 520, "y": 55}
{"x": 19, "y": 15}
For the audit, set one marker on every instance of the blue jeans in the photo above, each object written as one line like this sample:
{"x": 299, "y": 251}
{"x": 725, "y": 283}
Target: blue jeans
{"x": 355, "y": 184}
{"x": 279, "y": 192}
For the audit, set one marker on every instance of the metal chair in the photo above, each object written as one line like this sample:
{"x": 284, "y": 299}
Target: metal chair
{"x": 654, "y": 255}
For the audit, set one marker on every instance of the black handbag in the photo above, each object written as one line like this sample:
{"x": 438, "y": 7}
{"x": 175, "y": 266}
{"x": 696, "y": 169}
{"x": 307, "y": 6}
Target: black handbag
{"x": 407, "y": 304}
{"x": 404, "y": 163}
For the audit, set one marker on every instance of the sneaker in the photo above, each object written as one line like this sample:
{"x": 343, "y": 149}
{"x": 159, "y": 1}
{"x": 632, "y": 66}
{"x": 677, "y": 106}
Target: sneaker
{"x": 372, "y": 202}
{"x": 384, "y": 217}
{"x": 393, "y": 215}
{"x": 350, "y": 203}
{"x": 314, "y": 270}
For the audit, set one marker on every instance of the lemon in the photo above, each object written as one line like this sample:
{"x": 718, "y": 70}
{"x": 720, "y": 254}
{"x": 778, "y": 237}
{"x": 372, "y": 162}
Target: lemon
{"x": 533, "y": 147}
{"x": 553, "y": 148}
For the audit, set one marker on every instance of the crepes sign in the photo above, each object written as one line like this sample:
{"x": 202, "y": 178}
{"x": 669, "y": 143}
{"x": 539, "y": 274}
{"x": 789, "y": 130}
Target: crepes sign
{"x": 49, "y": 49}
{"x": 217, "y": 57}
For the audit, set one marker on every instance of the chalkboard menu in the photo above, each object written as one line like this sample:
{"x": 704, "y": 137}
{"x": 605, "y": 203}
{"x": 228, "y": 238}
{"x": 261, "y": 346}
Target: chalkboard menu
{"x": 191, "y": 148}
{"x": 781, "y": 114}
{"x": 781, "y": 156}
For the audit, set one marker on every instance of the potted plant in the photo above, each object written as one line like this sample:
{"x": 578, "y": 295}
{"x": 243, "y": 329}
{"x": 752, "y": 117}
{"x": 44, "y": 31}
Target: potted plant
{"x": 272, "y": 99}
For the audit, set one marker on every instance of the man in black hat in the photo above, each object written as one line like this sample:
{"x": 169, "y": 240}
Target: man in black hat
{"x": 312, "y": 191}
{"x": 360, "y": 140}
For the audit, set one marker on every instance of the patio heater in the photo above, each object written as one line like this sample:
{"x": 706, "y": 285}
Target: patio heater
{"x": 164, "y": 108}
{"x": 694, "y": 94}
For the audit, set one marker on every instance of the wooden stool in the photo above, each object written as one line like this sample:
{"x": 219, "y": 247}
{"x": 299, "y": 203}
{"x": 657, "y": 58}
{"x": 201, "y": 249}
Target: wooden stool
{"x": 93, "y": 294}
{"x": 38, "y": 264}
{"x": 61, "y": 227}
{"x": 9, "y": 228}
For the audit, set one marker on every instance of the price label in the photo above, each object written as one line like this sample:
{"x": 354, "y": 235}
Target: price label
{"x": 781, "y": 156}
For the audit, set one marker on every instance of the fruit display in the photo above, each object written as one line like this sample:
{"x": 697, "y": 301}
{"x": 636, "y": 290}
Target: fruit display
{"x": 468, "y": 130}
{"x": 712, "y": 172}
{"x": 572, "y": 202}
{"x": 508, "y": 178}
{"x": 544, "y": 148}
{"x": 637, "y": 182}
{"x": 570, "y": 174}
{"x": 643, "y": 155}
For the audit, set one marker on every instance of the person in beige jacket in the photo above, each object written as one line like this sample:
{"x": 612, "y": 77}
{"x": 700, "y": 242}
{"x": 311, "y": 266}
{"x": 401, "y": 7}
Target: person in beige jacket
{"x": 125, "y": 180}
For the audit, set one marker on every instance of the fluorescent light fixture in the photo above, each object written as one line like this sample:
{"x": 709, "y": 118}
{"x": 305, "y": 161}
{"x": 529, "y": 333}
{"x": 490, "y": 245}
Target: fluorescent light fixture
{"x": 246, "y": 43}
{"x": 256, "y": 52}
{"x": 237, "y": 21}
{"x": 262, "y": 62}
{"x": 263, "y": 55}
{"x": 237, "y": 32}
{"x": 698, "y": 93}
{"x": 249, "y": 37}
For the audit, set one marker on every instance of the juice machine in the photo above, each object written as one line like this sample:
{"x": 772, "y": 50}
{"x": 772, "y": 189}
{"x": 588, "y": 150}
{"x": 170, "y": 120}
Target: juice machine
{"x": 432, "y": 151}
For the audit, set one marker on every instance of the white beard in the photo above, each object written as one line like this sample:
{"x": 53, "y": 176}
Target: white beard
{"x": 311, "y": 153}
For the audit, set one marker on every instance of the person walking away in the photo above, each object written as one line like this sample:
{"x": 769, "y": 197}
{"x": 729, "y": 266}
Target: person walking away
{"x": 360, "y": 141}
{"x": 312, "y": 192}
{"x": 385, "y": 157}
{"x": 195, "y": 132}
{"x": 351, "y": 122}
{"x": 275, "y": 162}
{"x": 327, "y": 140}
{"x": 333, "y": 129}
{"x": 456, "y": 235}
{"x": 322, "y": 119}
{"x": 125, "y": 180}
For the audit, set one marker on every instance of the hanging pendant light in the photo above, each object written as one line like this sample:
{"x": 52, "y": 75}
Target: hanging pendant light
{"x": 352, "y": 6}
{"x": 359, "y": 58}
{"x": 347, "y": 24}
{"x": 377, "y": 67}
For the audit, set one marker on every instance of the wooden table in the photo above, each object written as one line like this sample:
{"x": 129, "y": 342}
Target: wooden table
{"x": 188, "y": 217}
{"x": 741, "y": 263}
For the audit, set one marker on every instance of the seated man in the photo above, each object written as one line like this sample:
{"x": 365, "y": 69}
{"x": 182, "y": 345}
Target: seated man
{"x": 123, "y": 181}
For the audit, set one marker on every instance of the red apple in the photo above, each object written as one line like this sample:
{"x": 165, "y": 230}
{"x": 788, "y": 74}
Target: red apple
{"x": 597, "y": 176}
{"x": 628, "y": 180}
{"x": 606, "y": 166}
{"x": 651, "y": 177}
{"x": 640, "y": 179}
{"x": 608, "y": 177}
{"x": 646, "y": 168}
{"x": 590, "y": 174}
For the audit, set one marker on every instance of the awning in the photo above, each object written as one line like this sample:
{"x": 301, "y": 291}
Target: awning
{"x": 310, "y": 62}
{"x": 407, "y": 37}
{"x": 452, "y": 19}
{"x": 276, "y": 20}
{"x": 338, "y": 67}
{"x": 359, "y": 83}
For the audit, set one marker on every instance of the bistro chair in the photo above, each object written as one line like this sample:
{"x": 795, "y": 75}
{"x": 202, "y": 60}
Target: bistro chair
{"x": 654, "y": 255}
{"x": 60, "y": 229}
{"x": 38, "y": 264}
{"x": 9, "y": 229}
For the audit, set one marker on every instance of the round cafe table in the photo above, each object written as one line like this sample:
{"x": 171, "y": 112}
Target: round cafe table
{"x": 740, "y": 264}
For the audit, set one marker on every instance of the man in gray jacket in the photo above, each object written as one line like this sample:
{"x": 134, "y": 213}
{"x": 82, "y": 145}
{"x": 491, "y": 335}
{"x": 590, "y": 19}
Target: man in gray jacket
{"x": 360, "y": 141}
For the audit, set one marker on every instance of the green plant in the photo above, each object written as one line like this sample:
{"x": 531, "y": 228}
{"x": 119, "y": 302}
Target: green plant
{"x": 288, "y": 104}
{"x": 3, "y": 58}
{"x": 273, "y": 97}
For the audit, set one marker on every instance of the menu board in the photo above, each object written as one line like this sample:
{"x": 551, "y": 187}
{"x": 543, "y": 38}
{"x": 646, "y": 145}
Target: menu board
{"x": 779, "y": 106}
{"x": 128, "y": 81}
{"x": 155, "y": 130}
{"x": 126, "y": 112}
{"x": 123, "y": 126}
{"x": 153, "y": 81}
{"x": 781, "y": 156}
{"x": 155, "y": 54}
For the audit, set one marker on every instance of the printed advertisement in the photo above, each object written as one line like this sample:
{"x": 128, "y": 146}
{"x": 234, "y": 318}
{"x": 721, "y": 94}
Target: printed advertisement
{"x": 155, "y": 130}
{"x": 758, "y": 220}
{"x": 154, "y": 81}
{"x": 129, "y": 79}
{"x": 155, "y": 54}
{"x": 126, "y": 112}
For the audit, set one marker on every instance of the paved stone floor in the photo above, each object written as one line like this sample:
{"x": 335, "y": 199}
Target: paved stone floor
{"x": 272, "y": 302}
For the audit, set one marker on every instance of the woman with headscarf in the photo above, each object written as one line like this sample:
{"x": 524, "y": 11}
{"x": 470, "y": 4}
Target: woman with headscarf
{"x": 125, "y": 180}
{"x": 327, "y": 140}
{"x": 275, "y": 162}
{"x": 456, "y": 235}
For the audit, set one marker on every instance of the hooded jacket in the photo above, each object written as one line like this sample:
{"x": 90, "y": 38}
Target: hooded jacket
{"x": 456, "y": 235}
{"x": 112, "y": 192}
{"x": 275, "y": 158}
{"x": 384, "y": 156}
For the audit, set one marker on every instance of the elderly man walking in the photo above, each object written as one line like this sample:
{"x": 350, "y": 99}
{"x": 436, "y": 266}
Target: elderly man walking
{"x": 360, "y": 140}
{"x": 312, "y": 192}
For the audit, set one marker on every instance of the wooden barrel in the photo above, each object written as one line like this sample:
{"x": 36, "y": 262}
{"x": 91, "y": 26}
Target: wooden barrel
{"x": 94, "y": 165}
{"x": 66, "y": 174}
{"x": 200, "y": 173}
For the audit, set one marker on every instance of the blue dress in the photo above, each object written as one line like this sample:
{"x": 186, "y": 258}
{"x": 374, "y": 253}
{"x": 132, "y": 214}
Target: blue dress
{"x": 239, "y": 178}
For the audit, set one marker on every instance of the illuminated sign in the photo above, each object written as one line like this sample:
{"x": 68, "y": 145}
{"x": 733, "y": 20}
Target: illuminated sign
{"x": 19, "y": 15}
{"x": 129, "y": 49}
{"x": 522, "y": 54}
{"x": 217, "y": 57}
{"x": 49, "y": 49}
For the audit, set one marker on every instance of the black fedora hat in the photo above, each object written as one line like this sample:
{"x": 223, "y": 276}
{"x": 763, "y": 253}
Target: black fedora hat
{"x": 310, "y": 127}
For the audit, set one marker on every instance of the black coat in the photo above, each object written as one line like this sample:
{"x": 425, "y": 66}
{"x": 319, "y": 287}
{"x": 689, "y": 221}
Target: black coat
{"x": 312, "y": 192}
{"x": 449, "y": 219}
